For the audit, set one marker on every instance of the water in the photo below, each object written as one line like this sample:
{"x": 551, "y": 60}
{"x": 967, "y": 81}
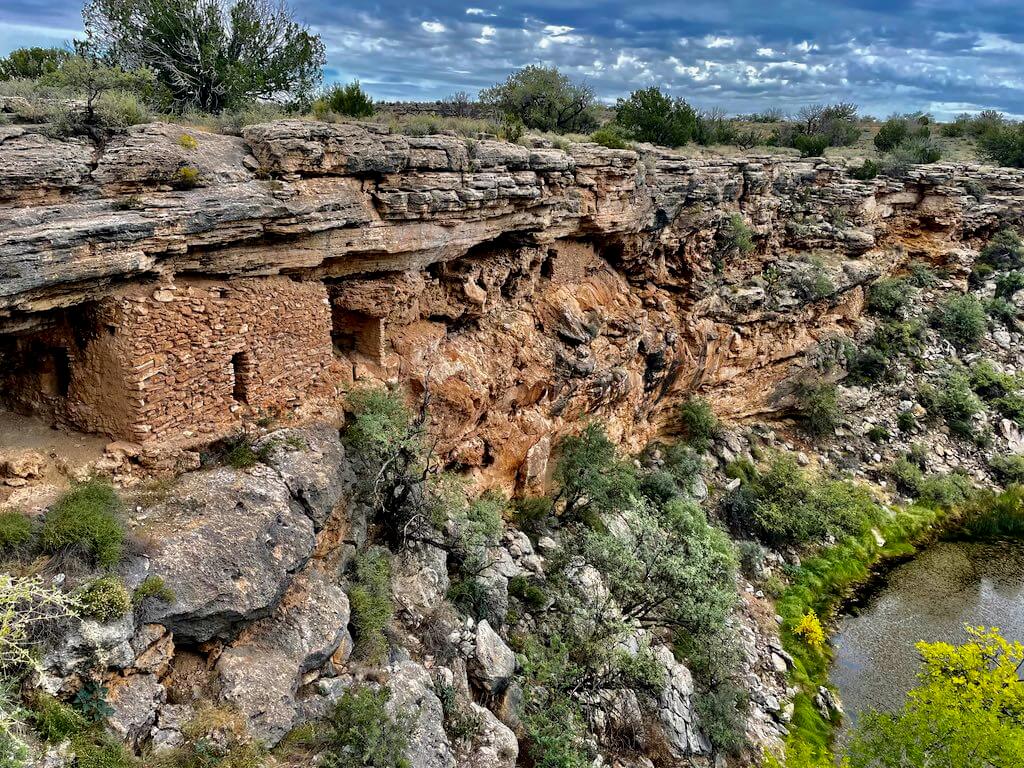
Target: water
{"x": 928, "y": 598}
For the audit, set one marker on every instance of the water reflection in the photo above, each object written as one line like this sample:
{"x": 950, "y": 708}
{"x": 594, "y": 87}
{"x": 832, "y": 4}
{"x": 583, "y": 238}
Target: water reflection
{"x": 929, "y": 598}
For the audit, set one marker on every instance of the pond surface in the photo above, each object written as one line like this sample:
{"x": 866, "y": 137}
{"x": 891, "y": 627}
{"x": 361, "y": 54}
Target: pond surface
{"x": 928, "y": 598}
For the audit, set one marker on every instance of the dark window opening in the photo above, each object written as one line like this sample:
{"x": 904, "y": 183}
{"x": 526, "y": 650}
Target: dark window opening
{"x": 240, "y": 375}
{"x": 547, "y": 267}
{"x": 54, "y": 371}
{"x": 357, "y": 332}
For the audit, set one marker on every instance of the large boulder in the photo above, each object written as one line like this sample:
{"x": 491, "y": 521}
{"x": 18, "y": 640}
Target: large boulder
{"x": 494, "y": 663}
{"x": 419, "y": 580}
{"x": 262, "y": 670}
{"x": 227, "y": 542}
{"x": 134, "y": 700}
{"x": 311, "y": 461}
{"x": 675, "y": 708}
{"x": 412, "y": 696}
{"x": 494, "y": 745}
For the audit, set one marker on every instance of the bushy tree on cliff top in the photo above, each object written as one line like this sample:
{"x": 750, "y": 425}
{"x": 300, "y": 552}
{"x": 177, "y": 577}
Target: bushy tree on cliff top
{"x": 544, "y": 99}
{"x": 210, "y": 54}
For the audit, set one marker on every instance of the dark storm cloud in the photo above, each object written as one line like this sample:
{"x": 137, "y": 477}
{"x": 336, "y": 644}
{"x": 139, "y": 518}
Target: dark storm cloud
{"x": 742, "y": 55}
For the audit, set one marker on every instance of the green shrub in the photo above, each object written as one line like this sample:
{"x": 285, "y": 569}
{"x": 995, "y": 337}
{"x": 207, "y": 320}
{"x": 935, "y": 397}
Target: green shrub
{"x": 187, "y": 141}
{"x": 349, "y": 100}
{"x": 735, "y": 238}
{"x": 751, "y": 558}
{"x": 532, "y": 513}
{"x": 893, "y": 131}
{"x": 1002, "y": 311}
{"x": 944, "y": 490}
{"x": 921, "y": 274}
{"x": 1008, "y": 468}
{"x": 957, "y": 403}
{"x": 1004, "y": 251}
{"x": 811, "y": 146}
{"x": 544, "y": 99}
{"x": 120, "y": 109}
{"x": 906, "y": 421}
{"x": 85, "y": 522}
{"x": 153, "y": 587}
{"x": 31, "y": 63}
{"x": 652, "y": 116}
{"x": 54, "y": 720}
{"x": 186, "y": 177}
{"x": 818, "y": 408}
{"x": 372, "y": 607}
{"x": 878, "y": 434}
{"x": 783, "y": 505}
{"x": 610, "y": 137}
{"x": 698, "y": 422}
{"x": 104, "y": 599}
{"x": 961, "y": 320}
{"x": 360, "y": 733}
{"x": 890, "y": 297}
{"x": 1009, "y": 284}
{"x": 990, "y": 382}
{"x": 723, "y": 717}
{"x": 590, "y": 477}
{"x": 811, "y": 281}
{"x": 101, "y": 751}
{"x": 1003, "y": 145}
{"x": 866, "y": 171}
{"x": 15, "y": 533}
{"x": 528, "y": 592}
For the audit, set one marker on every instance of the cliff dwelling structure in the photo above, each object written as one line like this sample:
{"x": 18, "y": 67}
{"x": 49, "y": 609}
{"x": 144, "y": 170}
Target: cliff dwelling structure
{"x": 530, "y": 285}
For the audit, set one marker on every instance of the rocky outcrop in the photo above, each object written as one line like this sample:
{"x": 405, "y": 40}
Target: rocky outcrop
{"x": 525, "y": 286}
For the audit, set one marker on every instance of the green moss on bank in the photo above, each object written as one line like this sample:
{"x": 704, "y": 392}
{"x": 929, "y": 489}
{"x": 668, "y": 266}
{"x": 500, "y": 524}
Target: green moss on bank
{"x": 821, "y": 584}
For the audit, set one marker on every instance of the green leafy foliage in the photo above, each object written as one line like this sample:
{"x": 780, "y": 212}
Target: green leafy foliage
{"x": 866, "y": 171}
{"x": 954, "y": 401}
{"x": 349, "y": 100}
{"x": 665, "y": 566}
{"x": 1004, "y": 251}
{"x": 591, "y": 477}
{"x": 361, "y": 733}
{"x": 104, "y": 599}
{"x": 85, "y": 521}
{"x": 735, "y": 237}
{"x": 781, "y": 505}
{"x": 1003, "y": 145}
{"x": 32, "y": 63}
{"x": 898, "y": 129}
{"x": 652, "y": 116}
{"x": 610, "y": 136}
{"x": 698, "y": 422}
{"x": 818, "y": 408}
{"x": 15, "y": 533}
{"x": 968, "y": 706}
{"x": 54, "y": 720}
{"x": 91, "y": 701}
{"x": 152, "y": 588}
{"x": 544, "y": 99}
{"x": 101, "y": 750}
{"x": 890, "y": 297}
{"x": 372, "y": 607}
{"x": 961, "y": 320}
{"x": 207, "y": 54}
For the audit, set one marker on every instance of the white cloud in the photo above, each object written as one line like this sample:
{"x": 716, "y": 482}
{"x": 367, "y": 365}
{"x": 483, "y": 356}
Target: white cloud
{"x": 487, "y": 33}
{"x": 716, "y": 41}
{"x": 556, "y": 30}
{"x": 433, "y": 27}
{"x": 475, "y": 11}
{"x": 765, "y": 52}
{"x": 806, "y": 47}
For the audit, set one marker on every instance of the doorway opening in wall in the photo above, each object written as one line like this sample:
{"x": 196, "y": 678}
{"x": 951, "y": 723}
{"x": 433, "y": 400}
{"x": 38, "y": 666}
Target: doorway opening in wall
{"x": 241, "y": 374}
{"x": 54, "y": 371}
{"x": 353, "y": 331}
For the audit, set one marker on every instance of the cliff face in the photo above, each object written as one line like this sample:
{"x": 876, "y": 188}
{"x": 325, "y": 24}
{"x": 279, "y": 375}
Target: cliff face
{"x": 171, "y": 287}
{"x": 530, "y": 287}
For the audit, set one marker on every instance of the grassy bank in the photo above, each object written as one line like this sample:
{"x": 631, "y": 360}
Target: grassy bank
{"x": 824, "y": 582}
{"x": 820, "y": 585}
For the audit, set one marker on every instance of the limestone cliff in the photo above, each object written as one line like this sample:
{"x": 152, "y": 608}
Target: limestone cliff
{"x": 531, "y": 286}
{"x": 166, "y": 292}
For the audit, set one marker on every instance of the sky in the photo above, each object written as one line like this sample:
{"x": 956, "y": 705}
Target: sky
{"x": 743, "y": 56}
